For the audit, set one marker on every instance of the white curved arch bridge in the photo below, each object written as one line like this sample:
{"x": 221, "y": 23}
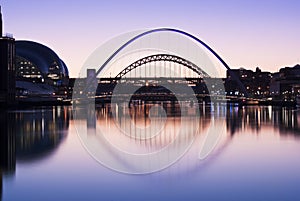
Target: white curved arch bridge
{"x": 152, "y": 71}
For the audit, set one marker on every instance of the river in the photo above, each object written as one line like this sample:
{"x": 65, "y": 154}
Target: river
{"x": 223, "y": 152}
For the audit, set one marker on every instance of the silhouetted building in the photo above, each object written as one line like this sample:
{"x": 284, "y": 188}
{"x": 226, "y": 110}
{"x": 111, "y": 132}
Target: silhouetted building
{"x": 7, "y": 67}
{"x": 70, "y": 87}
{"x": 257, "y": 83}
{"x": 285, "y": 84}
{"x": 1, "y": 29}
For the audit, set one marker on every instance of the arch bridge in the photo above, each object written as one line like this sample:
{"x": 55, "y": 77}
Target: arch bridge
{"x": 110, "y": 83}
{"x": 164, "y": 58}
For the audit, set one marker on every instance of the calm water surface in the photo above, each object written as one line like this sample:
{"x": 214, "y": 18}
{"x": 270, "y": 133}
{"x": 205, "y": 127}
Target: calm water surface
{"x": 256, "y": 158}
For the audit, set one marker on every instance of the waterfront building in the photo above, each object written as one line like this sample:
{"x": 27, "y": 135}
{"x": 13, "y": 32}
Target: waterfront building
{"x": 39, "y": 71}
{"x": 257, "y": 83}
{"x": 7, "y": 67}
{"x": 285, "y": 84}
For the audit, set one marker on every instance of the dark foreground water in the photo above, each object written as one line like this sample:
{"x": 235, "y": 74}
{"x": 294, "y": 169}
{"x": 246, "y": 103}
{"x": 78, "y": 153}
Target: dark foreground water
{"x": 257, "y": 156}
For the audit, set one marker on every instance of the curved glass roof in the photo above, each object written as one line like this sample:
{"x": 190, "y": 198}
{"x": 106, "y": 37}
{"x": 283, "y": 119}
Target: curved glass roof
{"x": 40, "y": 55}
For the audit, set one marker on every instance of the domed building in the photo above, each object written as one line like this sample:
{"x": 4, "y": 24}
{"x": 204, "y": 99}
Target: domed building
{"x": 39, "y": 70}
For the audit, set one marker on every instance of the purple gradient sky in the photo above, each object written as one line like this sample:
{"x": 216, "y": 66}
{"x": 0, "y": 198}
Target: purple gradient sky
{"x": 245, "y": 33}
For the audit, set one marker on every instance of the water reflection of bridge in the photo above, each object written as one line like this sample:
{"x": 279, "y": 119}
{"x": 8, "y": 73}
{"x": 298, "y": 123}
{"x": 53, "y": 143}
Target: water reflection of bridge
{"x": 138, "y": 131}
{"x": 237, "y": 117}
{"x": 28, "y": 135}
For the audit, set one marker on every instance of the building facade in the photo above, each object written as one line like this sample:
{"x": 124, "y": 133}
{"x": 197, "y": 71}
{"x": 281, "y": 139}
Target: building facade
{"x": 7, "y": 68}
{"x": 256, "y": 83}
{"x": 285, "y": 84}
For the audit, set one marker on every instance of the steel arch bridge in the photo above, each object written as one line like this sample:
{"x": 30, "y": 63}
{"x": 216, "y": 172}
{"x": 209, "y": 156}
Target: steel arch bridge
{"x": 163, "y": 57}
{"x": 192, "y": 37}
{"x": 145, "y": 33}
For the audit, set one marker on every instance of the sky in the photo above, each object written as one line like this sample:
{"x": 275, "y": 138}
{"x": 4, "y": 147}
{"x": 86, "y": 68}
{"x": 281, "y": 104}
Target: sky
{"x": 249, "y": 34}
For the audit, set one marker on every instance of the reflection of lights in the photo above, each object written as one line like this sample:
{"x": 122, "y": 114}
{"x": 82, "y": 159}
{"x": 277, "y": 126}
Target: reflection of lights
{"x": 258, "y": 117}
{"x": 292, "y": 120}
{"x": 53, "y": 115}
{"x": 65, "y": 113}
{"x": 33, "y": 125}
{"x": 270, "y": 112}
{"x": 247, "y": 119}
{"x": 58, "y": 111}
{"x": 43, "y": 126}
